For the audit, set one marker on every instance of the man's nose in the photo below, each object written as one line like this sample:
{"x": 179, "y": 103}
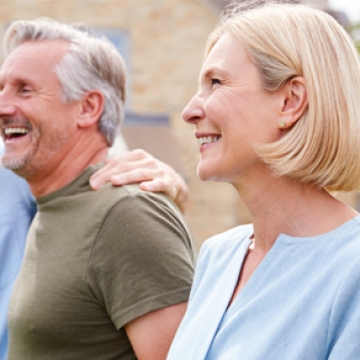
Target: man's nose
{"x": 7, "y": 108}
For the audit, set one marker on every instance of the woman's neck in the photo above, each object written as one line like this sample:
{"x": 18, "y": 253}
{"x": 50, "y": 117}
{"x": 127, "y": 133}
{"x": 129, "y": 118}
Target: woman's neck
{"x": 281, "y": 205}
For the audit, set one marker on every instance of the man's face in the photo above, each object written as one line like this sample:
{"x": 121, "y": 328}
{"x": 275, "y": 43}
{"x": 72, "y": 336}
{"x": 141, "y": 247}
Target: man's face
{"x": 37, "y": 126}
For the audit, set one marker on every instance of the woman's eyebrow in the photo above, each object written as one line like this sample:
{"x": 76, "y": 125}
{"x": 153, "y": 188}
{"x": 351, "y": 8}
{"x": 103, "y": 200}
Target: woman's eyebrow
{"x": 214, "y": 70}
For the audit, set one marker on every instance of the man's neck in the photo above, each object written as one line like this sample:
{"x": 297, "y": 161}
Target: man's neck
{"x": 68, "y": 170}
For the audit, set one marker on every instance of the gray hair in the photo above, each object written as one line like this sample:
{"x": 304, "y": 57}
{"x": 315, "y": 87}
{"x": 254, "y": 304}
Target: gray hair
{"x": 91, "y": 63}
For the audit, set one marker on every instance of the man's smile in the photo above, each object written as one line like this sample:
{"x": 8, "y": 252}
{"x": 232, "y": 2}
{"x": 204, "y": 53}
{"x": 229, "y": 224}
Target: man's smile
{"x": 14, "y": 132}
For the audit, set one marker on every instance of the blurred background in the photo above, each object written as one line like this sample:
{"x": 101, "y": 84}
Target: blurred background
{"x": 162, "y": 42}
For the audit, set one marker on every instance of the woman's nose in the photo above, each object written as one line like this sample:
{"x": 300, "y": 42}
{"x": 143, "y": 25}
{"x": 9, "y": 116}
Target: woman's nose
{"x": 193, "y": 111}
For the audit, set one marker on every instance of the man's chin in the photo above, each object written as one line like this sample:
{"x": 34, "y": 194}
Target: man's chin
{"x": 16, "y": 164}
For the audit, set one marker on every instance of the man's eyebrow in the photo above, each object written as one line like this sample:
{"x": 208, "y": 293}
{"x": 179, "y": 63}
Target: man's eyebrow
{"x": 21, "y": 80}
{"x": 14, "y": 80}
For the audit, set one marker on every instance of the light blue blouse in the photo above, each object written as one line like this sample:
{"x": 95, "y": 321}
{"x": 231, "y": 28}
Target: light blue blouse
{"x": 17, "y": 208}
{"x": 301, "y": 303}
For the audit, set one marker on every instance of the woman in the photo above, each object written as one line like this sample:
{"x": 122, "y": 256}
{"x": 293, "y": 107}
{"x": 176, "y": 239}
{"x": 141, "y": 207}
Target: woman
{"x": 275, "y": 115}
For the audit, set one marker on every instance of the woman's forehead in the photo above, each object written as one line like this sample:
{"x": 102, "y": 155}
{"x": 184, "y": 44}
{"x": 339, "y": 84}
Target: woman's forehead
{"x": 227, "y": 54}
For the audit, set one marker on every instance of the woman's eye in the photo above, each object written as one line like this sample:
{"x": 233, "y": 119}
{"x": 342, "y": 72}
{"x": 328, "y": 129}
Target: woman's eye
{"x": 215, "y": 81}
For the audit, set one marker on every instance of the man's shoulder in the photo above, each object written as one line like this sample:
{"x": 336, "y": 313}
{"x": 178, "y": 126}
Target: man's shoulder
{"x": 118, "y": 192}
{"x": 139, "y": 215}
{"x": 107, "y": 194}
{"x": 132, "y": 195}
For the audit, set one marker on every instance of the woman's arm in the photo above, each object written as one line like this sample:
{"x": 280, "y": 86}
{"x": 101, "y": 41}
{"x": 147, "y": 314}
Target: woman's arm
{"x": 138, "y": 166}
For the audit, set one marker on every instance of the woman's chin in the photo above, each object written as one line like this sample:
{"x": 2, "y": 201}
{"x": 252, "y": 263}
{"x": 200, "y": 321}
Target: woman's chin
{"x": 204, "y": 174}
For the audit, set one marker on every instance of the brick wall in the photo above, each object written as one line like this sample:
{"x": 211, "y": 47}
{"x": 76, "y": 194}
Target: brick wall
{"x": 167, "y": 39}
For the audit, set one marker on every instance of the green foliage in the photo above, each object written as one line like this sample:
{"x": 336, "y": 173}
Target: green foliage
{"x": 354, "y": 31}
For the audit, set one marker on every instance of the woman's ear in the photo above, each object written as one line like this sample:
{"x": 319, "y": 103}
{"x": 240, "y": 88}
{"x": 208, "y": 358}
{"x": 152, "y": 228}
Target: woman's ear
{"x": 295, "y": 102}
{"x": 91, "y": 108}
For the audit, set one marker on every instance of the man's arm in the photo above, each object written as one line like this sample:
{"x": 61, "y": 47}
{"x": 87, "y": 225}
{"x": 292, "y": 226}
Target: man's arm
{"x": 141, "y": 269}
{"x": 151, "y": 335}
{"x": 139, "y": 166}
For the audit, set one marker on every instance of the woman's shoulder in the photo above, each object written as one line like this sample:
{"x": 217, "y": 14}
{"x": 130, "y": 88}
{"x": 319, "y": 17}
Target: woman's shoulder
{"x": 346, "y": 239}
{"x": 217, "y": 253}
{"x": 226, "y": 242}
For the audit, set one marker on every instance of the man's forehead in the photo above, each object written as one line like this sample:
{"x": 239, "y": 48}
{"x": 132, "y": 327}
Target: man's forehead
{"x": 33, "y": 52}
{"x": 34, "y": 55}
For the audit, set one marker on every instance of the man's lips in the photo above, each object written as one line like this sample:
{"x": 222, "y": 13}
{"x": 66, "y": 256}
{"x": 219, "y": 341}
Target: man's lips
{"x": 11, "y": 132}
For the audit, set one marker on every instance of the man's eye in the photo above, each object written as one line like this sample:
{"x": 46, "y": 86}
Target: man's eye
{"x": 215, "y": 81}
{"x": 25, "y": 89}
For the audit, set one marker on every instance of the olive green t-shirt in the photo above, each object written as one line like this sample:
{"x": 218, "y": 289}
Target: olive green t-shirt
{"x": 94, "y": 261}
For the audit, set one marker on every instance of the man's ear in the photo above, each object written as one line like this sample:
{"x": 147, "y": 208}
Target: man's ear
{"x": 91, "y": 108}
{"x": 294, "y": 103}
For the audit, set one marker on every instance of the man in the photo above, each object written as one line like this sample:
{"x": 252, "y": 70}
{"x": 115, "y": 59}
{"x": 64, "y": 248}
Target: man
{"x": 106, "y": 274}
{"x": 18, "y": 207}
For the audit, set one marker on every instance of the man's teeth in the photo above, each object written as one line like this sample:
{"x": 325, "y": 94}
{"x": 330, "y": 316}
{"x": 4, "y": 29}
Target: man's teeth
{"x": 208, "y": 139}
{"x": 9, "y": 131}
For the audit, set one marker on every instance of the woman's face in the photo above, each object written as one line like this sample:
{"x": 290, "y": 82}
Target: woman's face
{"x": 231, "y": 112}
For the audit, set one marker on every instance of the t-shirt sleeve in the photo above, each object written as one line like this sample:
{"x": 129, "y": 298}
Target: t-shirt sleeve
{"x": 344, "y": 324}
{"x": 142, "y": 260}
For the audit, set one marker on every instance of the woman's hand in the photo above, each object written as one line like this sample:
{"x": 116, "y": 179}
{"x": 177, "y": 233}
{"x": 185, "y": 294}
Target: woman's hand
{"x": 137, "y": 166}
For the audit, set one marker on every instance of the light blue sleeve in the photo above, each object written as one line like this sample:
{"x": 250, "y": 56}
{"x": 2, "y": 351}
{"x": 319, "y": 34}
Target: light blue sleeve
{"x": 344, "y": 324}
{"x": 17, "y": 208}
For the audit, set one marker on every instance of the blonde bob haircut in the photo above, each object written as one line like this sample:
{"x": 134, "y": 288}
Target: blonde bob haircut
{"x": 92, "y": 63}
{"x": 288, "y": 40}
